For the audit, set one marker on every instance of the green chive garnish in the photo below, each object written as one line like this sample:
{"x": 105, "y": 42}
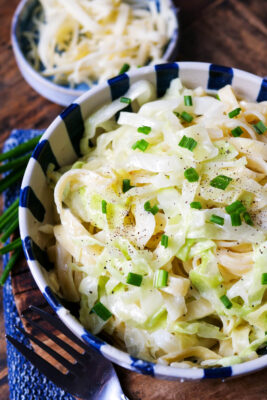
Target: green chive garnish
{"x": 234, "y": 112}
{"x": 21, "y": 149}
{"x": 236, "y": 207}
{"x": 141, "y": 145}
{"x": 264, "y": 279}
{"x": 104, "y": 206}
{"x": 196, "y": 204}
{"x": 217, "y": 97}
{"x": 124, "y": 68}
{"x": 191, "y": 175}
{"x": 236, "y": 132}
{"x": 226, "y": 302}
{"x": 11, "y": 246}
{"x": 153, "y": 210}
{"x": 11, "y": 228}
{"x": 188, "y": 143}
{"x": 164, "y": 241}
{"x": 126, "y": 185}
{"x": 186, "y": 117}
{"x": 216, "y": 219}
{"x": 260, "y": 128}
{"x": 160, "y": 278}
{"x": 125, "y": 100}
{"x": 15, "y": 163}
{"x": 144, "y": 129}
{"x": 5, "y": 216}
{"x": 9, "y": 266}
{"x": 220, "y": 182}
{"x": 11, "y": 178}
{"x": 235, "y": 219}
{"x": 134, "y": 279}
{"x": 188, "y": 101}
{"x": 247, "y": 218}
{"x": 176, "y": 114}
{"x": 102, "y": 311}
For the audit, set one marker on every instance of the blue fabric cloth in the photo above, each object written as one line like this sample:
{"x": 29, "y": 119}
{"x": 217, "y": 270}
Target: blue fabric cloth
{"x": 25, "y": 381}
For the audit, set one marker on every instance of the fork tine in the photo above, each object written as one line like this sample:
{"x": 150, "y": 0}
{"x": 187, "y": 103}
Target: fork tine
{"x": 55, "y": 321}
{"x": 75, "y": 354}
{"x": 67, "y": 364}
{"x": 44, "y": 367}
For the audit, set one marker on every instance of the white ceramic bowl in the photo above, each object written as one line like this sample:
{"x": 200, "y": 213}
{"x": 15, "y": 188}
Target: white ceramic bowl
{"x": 60, "y": 94}
{"x": 60, "y": 145}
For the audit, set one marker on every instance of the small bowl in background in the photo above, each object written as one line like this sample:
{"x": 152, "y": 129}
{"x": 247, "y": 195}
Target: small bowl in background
{"x": 60, "y": 146}
{"x": 60, "y": 94}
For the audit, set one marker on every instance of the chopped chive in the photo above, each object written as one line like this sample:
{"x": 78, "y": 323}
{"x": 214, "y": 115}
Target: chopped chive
{"x": 153, "y": 210}
{"x": 9, "y": 266}
{"x": 196, "y": 204}
{"x": 104, "y": 206}
{"x": 21, "y": 148}
{"x": 124, "y": 68}
{"x": 15, "y": 163}
{"x": 234, "y": 112}
{"x": 216, "y": 219}
{"x": 176, "y": 114}
{"x": 12, "y": 227}
{"x": 235, "y": 219}
{"x": 11, "y": 246}
{"x": 235, "y": 207}
{"x": 125, "y": 100}
{"x": 188, "y": 143}
{"x": 226, "y": 302}
{"x": 144, "y": 129}
{"x": 186, "y": 117}
{"x": 191, "y": 175}
{"x": 188, "y": 101}
{"x": 141, "y": 145}
{"x": 126, "y": 185}
{"x": 164, "y": 241}
{"x": 247, "y": 218}
{"x": 264, "y": 279}
{"x": 102, "y": 311}
{"x": 11, "y": 178}
{"x": 134, "y": 279}
{"x": 160, "y": 278}
{"x": 236, "y": 132}
{"x": 217, "y": 97}
{"x": 260, "y": 128}
{"x": 9, "y": 210}
{"x": 220, "y": 182}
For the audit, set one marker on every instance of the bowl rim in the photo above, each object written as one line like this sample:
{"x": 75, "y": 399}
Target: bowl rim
{"x": 114, "y": 354}
{"x": 24, "y": 64}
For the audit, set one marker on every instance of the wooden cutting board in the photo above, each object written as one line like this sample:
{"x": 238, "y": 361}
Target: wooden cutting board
{"x": 141, "y": 387}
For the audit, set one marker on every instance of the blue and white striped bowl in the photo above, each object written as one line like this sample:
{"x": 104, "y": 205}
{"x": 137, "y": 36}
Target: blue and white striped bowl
{"x": 60, "y": 145}
{"x": 60, "y": 94}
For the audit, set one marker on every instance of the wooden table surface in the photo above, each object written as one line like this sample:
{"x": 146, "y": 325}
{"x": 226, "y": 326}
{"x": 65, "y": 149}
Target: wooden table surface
{"x": 227, "y": 32}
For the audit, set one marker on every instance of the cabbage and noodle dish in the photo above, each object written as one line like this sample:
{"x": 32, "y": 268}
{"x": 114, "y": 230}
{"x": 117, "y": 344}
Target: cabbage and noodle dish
{"x": 162, "y": 226}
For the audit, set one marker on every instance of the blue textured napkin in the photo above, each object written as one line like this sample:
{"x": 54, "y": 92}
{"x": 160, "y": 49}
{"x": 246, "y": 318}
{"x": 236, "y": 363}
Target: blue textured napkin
{"x": 25, "y": 381}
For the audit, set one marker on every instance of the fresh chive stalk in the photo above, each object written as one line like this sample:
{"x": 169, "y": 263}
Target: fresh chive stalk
{"x": 6, "y": 222}
{"x": 11, "y": 246}
{"x": 12, "y": 227}
{"x": 9, "y": 266}
{"x": 15, "y": 163}
{"x": 20, "y": 149}
{"x": 4, "y": 217}
{"x": 10, "y": 179}
{"x": 134, "y": 279}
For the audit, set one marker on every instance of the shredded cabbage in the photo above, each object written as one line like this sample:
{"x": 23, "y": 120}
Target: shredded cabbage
{"x": 131, "y": 211}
